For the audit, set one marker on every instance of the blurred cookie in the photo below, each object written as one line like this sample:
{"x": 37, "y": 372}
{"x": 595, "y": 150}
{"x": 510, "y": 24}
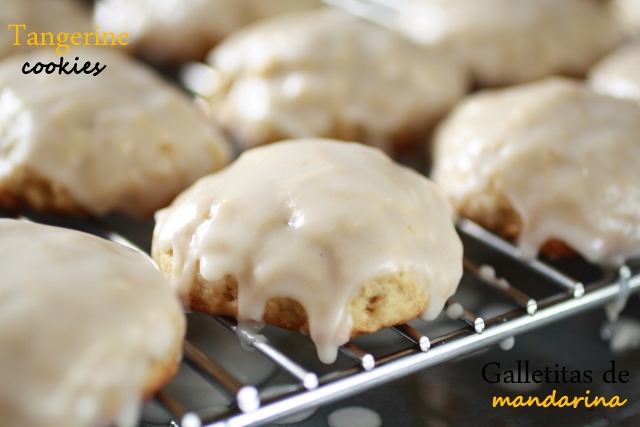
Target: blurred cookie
{"x": 123, "y": 140}
{"x": 174, "y": 31}
{"x": 88, "y": 328}
{"x": 327, "y": 74}
{"x": 39, "y": 16}
{"x": 506, "y": 42}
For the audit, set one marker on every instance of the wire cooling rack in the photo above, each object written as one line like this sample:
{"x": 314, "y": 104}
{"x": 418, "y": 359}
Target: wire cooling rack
{"x": 363, "y": 370}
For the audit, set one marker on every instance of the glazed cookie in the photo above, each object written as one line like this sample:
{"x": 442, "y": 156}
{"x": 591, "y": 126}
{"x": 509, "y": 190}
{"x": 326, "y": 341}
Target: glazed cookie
{"x": 180, "y": 30}
{"x": 322, "y": 236}
{"x": 88, "y": 328}
{"x": 506, "y": 42}
{"x": 123, "y": 140}
{"x": 618, "y": 74}
{"x": 39, "y": 16}
{"x": 550, "y": 162}
{"x": 327, "y": 74}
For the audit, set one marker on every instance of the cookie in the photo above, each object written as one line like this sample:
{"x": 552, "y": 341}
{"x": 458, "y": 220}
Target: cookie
{"x": 21, "y": 17}
{"x": 323, "y": 236}
{"x": 328, "y": 74}
{"x": 505, "y": 42}
{"x": 120, "y": 141}
{"x": 88, "y": 328}
{"x": 550, "y": 161}
{"x": 185, "y": 30}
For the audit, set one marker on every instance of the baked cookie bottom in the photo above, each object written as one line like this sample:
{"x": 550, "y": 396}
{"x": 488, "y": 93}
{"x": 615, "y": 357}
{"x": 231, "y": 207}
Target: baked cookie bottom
{"x": 500, "y": 217}
{"x": 26, "y": 188}
{"x": 162, "y": 371}
{"x": 408, "y": 137}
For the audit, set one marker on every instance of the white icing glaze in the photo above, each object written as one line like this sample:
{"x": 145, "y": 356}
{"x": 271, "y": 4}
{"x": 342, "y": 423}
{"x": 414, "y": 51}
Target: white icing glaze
{"x": 511, "y": 41}
{"x": 615, "y": 307}
{"x": 623, "y": 335}
{"x": 564, "y": 156}
{"x": 81, "y": 321}
{"x": 455, "y": 311}
{"x": 186, "y": 29}
{"x": 324, "y": 73}
{"x": 626, "y": 14}
{"x": 619, "y": 73}
{"x": 507, "y": 343}
{"x": 123, "y": 140}
{"x": 273, "y": 391}
{"x": 50, "y": 16}
{"x": 312, "y": 220}
{"x": 354, "y": 416}
{"x": 248, "y": 332}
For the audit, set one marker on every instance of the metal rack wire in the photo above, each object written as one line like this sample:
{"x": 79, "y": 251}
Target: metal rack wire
{"x": 418, "y": 353}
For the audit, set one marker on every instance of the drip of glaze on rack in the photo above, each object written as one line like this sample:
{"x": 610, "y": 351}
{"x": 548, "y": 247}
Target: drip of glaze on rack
{"x": 359, "y": 369}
